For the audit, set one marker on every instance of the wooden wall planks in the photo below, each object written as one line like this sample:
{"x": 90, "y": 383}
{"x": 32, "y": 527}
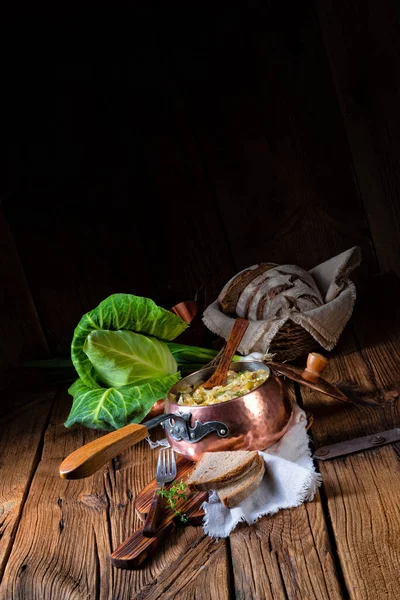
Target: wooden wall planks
{"x": 363, "y": 45}
{"x": 205, "y": 150}
{"x": 21, "y": 334}
{"x": 275, "y": 146}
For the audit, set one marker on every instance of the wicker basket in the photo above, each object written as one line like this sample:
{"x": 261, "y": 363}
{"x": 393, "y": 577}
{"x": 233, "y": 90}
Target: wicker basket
{"x": 292, "y": 341}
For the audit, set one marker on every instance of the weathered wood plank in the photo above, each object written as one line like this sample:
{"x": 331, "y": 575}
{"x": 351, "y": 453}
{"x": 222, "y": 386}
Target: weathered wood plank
{"x": 285, "y": 556}
{"x": 99, "y": 512}
{"x": 362, "y": 490}
{"x": 21, "y": 334}
{"x": 363, "y": 47}
{"x": 363, "y": 500}
{"x": 21, "y": 436}
{"x": 201, "y": 572}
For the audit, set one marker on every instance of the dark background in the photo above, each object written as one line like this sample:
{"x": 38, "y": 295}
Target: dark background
{"x": 161, "y": 152}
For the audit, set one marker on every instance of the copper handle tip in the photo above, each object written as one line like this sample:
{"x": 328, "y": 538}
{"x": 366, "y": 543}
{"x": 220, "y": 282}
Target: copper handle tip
{"x": 186, "y": 310}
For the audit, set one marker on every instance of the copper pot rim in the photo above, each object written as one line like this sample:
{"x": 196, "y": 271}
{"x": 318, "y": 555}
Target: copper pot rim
{"x": 227, "y": 402}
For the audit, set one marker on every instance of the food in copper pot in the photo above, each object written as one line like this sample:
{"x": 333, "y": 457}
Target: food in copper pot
{"x": 237, "y": 384}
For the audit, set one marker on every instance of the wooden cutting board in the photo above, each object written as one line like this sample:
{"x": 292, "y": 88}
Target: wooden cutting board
{"x": 137, "y": 548}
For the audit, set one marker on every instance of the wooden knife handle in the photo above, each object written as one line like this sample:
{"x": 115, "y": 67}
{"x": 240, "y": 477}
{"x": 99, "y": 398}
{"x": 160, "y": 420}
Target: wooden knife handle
{"x": 87, "y": 460}
{"x": 150, "y": 526}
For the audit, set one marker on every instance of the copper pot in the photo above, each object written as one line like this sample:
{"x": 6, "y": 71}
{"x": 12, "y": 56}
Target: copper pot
{"x": 254, "y": 421}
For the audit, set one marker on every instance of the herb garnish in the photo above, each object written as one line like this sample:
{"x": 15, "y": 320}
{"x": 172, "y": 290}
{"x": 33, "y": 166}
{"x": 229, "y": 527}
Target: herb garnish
{"x": 176, "y": 492}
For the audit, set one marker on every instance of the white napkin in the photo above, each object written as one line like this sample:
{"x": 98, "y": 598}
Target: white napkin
{"x": 290, "y": 479}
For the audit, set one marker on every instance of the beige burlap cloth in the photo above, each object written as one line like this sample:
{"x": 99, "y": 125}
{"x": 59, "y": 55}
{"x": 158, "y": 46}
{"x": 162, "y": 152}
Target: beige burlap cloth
{"x": 325, "y": 322}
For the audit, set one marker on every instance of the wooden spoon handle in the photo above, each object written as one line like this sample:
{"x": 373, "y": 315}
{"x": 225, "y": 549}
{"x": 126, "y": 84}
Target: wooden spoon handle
{"x": 87, "y": 460}
{"x": 219, "y": 376}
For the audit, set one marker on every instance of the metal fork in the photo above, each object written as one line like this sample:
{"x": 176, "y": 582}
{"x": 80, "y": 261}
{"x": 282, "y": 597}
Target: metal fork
{"x": 166, "y": 472}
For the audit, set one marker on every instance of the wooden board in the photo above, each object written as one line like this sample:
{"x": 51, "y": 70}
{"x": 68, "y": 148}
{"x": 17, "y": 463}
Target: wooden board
{"x": 19, "y": 458}
{"x": 125, "y": 148}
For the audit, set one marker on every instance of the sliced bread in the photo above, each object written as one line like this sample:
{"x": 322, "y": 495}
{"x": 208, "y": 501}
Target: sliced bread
{"x": 216, "y": 468}
{"x": 234, "y": 492}
{"x": 229, "y": 296}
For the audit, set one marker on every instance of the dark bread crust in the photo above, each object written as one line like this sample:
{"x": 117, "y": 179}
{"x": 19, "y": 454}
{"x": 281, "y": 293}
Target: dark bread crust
{"x": 231, "y": 291}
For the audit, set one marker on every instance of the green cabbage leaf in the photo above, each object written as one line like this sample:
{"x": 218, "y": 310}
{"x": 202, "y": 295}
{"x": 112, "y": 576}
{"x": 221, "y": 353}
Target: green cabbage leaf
{"x": 111, "y": 408}
{"x": 123, "y": 362}
{"x": 122, "y": 357}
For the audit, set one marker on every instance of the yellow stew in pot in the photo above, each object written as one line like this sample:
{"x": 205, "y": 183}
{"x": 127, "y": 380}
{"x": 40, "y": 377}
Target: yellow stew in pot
{"x": 237, "y": 384}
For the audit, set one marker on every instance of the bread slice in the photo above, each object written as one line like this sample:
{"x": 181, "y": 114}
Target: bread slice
{"x": 229, "y": 296}
{"x": 233, "y": 493}
{"x": 217, "y": 468}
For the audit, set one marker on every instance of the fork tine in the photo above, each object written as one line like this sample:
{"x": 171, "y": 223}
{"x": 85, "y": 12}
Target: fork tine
{"x": 159, "y": 464}
{"x": 173, "y": 464}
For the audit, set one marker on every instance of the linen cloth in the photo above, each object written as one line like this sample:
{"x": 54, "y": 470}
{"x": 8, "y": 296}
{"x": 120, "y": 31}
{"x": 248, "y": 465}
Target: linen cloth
{"x": 325, "y": 323}
{"x": 290, "y": 479}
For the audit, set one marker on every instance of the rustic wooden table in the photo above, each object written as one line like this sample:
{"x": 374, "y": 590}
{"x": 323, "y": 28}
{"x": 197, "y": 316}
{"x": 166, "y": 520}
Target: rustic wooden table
{"x": 56, "y": 536}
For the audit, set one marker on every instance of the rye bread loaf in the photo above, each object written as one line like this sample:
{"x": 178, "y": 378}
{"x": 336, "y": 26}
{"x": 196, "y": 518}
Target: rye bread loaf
{"x": 233, "y": 493}
{"x": 217, "y": 468}
{"x": 230, "y": 293}
{"x": 275, "y": 293}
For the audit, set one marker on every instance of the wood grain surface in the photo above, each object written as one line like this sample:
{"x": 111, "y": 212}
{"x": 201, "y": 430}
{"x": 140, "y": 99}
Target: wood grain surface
{"x": 361, "y": 491}
{"x": 21, "y": 437}
{"x": 294, "y": 557}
